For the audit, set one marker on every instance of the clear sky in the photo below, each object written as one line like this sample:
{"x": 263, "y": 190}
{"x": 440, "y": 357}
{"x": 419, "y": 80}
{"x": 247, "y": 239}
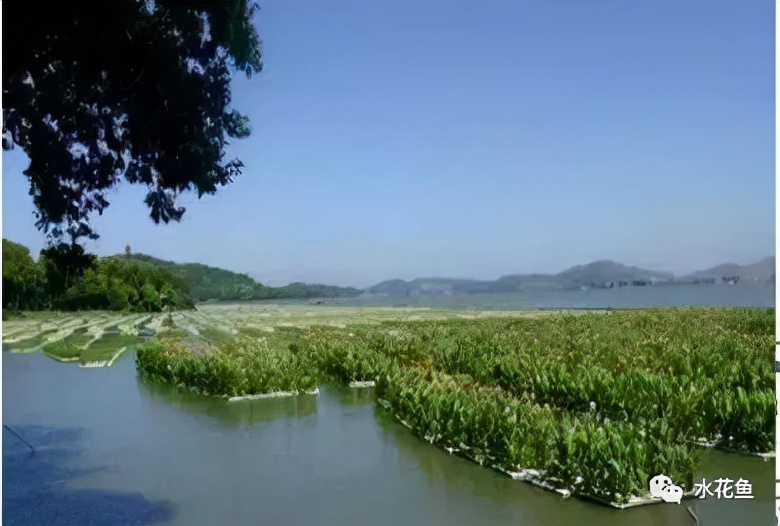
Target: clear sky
{"x": 402, "y": 139}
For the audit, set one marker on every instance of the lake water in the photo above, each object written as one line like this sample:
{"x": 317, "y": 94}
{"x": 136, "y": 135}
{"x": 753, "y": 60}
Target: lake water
{"x": 113, "y": 449}
{"x": 740, "y": 295}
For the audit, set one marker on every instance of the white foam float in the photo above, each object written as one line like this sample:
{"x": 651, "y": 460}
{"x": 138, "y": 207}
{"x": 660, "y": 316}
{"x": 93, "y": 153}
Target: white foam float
{"x": 275, "y": 394}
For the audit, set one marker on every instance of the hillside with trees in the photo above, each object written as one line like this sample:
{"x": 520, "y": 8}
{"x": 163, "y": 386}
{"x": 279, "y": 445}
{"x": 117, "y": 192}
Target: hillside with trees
{"x": 67, "y": 278}
{"x": 205, "y": 283}
{"x": 215, "y": 284}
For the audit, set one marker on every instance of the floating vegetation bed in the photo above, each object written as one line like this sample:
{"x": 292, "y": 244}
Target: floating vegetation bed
{"x": 91, "y": 340}
{"x": 241, "y": 367}
{"x": 63, "y": 351}
{"x": 573, "y": 453}
{"x": 30, "y": 344}
{"x": 341, "y": 356}
{"x": 588, "y": 404}
{"x": 108, "y": 345}
{"x": 621, "y": 396}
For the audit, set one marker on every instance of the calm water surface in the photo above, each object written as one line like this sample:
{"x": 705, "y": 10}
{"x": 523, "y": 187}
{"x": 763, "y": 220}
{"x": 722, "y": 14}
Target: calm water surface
{"x": 745, "y": 294}
{"x": 113, "y": 449}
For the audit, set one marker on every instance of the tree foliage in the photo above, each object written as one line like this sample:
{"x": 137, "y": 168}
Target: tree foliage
{"x": 67, "y": 278}
{"x": 64, "y": 265}
{"x": 95, "y": 92}
{"x": 24, "y": 281}
{"x": 119, "y": 284}
{"x": 215, "y": 284}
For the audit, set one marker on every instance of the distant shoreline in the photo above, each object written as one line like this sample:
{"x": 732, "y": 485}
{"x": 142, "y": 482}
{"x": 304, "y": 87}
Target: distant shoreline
{"x": 743, "y": 294}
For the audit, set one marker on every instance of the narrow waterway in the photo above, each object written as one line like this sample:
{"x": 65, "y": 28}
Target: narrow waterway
{"x": 113, "y": 449}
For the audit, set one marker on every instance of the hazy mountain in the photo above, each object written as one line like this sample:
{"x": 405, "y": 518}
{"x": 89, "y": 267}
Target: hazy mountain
{"x": 603, "y": 273}
{"x": 430, "y": 287}
{"x": 763, "y": 270}
{"x": 209, "y": 283}
{"x": 527, "y": 283}
{"x": 212, "y": 283}
{"x": 597, "y": 274}
{"x": 605, "y": 270}
{"x": 391, "y": 287}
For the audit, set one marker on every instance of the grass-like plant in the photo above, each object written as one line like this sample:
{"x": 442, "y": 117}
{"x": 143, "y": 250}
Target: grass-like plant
{"x": 62, "y": 350}
{"x": 595, "y": 402}
{"x": 243, "y": 366}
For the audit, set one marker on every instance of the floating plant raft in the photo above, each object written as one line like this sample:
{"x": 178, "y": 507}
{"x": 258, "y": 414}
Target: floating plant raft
{"x": 536, "y": 477}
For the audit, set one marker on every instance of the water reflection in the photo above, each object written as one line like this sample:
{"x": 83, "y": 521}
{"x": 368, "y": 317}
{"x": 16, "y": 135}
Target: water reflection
{"x": 36, "y": 487}
{"x": 740, "y": 295}
{"x": 758, "y": 510}
{"x": 358, "y": 396}
{"x": 244, "y": 413}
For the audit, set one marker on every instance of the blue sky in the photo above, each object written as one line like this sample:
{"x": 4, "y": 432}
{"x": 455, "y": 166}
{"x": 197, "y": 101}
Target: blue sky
{"x": 475, "y": 139}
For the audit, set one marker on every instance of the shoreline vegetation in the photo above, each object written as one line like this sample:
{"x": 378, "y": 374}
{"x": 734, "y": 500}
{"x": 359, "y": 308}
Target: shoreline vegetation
{"x": 65, "y": 278}
{"x": 589, "y": 404}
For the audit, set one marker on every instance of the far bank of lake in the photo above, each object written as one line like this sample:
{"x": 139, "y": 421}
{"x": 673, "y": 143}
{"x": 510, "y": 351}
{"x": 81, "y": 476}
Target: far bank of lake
{"x": 742, "y": 294}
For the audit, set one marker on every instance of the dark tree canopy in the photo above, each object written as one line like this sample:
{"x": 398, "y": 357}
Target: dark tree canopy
{"x": 95, "y": 92}
{"x": 64, "y": 266}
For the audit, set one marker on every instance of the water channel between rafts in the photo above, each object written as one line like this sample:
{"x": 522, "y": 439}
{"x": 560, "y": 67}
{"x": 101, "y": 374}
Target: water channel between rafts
{"x": 113, "y": 449}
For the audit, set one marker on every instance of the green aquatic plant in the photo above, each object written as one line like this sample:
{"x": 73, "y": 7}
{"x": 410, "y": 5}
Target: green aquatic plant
{"x": 594, "y": 403}
{"x": 62, "y": 350}
{"x": 672, "y": 364}
{"x": 584, "y": 452}
{"x": 344, "y": 356}
{"x": 240, "y": 367}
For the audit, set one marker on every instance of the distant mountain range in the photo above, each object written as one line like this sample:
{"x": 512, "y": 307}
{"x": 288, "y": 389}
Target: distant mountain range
{"x": 215, "y": 284}
{"x": 763, "y": 270}
{"x": 207, "y": 283}
{"x": 599, "y": 274}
